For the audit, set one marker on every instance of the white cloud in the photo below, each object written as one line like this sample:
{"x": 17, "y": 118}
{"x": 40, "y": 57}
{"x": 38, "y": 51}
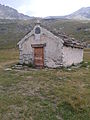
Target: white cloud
{"x": 44, "y": 8}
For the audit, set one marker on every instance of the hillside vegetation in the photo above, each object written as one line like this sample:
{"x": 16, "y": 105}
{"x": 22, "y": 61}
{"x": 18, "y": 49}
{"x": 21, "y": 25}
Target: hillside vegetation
{"x": 77, "y": 29}
{"x": 11, "y": 31}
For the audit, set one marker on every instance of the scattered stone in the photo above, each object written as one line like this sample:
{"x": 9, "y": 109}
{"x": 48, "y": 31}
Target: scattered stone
{"x": 60, "y": 78}
{"x": 8, "y": 69}
{"x": 76, "y": 66}
{"x": 59, "y": 118}
{"x": 19, "y": 67}
{"x": 25, "y": 67}
{"x": 88, "y": 66}
{"x": 69, "y": 69}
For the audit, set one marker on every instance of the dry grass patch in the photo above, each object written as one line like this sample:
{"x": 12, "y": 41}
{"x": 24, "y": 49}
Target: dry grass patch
{"x": 87, "y": 55}
{"x": 8, "y": 56}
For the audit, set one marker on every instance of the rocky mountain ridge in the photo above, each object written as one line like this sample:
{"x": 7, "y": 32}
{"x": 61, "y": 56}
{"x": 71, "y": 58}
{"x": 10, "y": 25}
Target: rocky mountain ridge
{"x": 81, "y": 14}
{"x": 7, "y": 12}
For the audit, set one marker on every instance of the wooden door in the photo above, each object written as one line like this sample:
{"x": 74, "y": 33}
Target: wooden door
{"x": 39, "y": 57}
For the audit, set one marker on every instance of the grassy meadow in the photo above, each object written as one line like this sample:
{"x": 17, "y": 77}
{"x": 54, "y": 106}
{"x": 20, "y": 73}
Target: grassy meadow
{"x": 47, "y": 94}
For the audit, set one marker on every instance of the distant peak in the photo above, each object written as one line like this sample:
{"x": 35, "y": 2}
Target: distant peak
{"x": 81, "y": 14}
{"x": 7, "y": 12}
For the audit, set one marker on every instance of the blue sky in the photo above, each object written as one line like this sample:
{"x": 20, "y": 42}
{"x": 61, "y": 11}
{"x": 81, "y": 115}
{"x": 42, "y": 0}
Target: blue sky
{"x": 43, "y": 8}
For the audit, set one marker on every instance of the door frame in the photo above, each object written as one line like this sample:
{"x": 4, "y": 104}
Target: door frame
{"x": 38, "y": 46}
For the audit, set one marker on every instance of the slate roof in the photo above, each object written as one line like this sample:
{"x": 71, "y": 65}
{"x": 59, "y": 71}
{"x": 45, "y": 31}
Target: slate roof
{"x": 68, "y": 41}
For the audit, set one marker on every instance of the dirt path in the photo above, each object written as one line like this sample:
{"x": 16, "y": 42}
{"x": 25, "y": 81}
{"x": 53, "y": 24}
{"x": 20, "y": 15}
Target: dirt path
{"x": 3, "y": 64}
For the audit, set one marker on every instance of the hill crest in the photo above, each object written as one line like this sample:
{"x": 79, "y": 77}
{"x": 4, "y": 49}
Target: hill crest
{"x": 7, "y": 12}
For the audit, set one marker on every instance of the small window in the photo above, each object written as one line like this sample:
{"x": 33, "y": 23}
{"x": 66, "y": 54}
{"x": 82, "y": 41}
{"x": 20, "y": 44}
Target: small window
{"x": 37, "y": 30}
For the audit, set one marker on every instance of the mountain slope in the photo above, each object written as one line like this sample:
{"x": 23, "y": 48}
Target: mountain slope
{"x": 81, "y": 14}
{"x": 10, "y": 13}
{"x": 11, "y": 31}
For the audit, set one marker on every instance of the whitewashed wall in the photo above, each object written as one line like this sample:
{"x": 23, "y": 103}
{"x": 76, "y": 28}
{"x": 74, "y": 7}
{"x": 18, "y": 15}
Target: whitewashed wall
{"x": 55, "y": 54}
{"x": 52, "y": 50}
{"x": 72, "y": 56}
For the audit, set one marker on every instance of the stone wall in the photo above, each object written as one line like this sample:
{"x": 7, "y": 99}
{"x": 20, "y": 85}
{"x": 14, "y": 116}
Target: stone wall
{"x": 55, "y": 54}
{"x": 72, "y": 56}
{"x": 52, "y": 50}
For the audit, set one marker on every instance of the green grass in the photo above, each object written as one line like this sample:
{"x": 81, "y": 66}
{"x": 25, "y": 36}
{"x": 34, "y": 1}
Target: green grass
{"x": 87, "y": 55}
{"x": 8, "y": 56}
{"x": 48, "y": 94}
